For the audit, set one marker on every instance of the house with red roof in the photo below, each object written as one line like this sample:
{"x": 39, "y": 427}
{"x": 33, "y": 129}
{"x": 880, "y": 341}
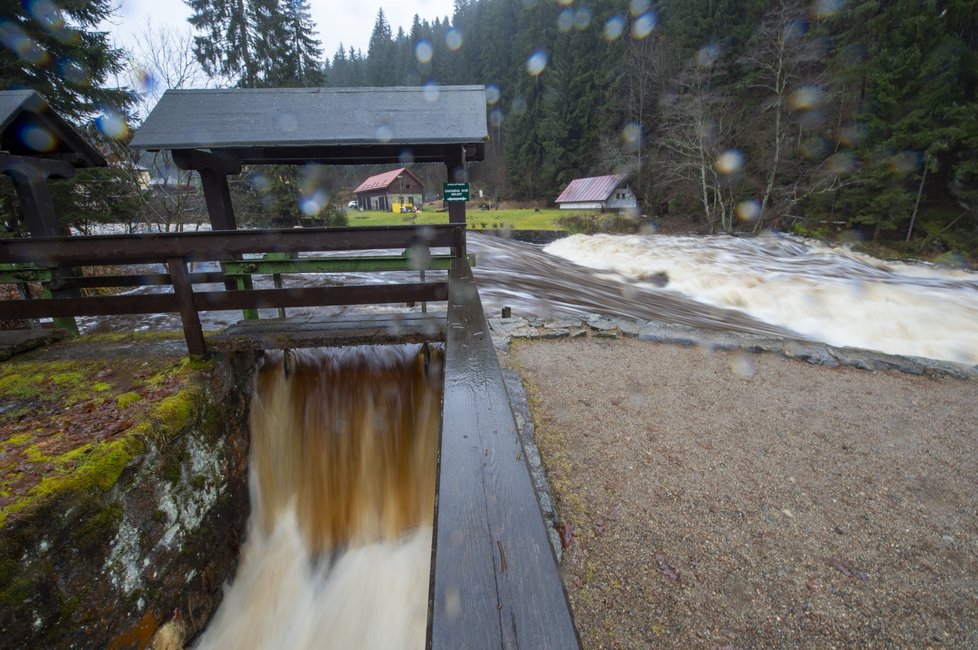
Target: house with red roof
{"x": 604, "y": 193}
{"x": 389, "y": 191}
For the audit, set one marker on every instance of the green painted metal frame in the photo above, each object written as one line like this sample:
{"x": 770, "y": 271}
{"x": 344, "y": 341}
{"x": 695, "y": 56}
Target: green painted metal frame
{"x": 24, "y": 273}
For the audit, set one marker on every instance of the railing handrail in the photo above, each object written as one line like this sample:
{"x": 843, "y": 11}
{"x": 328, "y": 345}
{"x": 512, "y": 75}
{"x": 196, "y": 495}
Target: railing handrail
{"x": 223, "y": 244}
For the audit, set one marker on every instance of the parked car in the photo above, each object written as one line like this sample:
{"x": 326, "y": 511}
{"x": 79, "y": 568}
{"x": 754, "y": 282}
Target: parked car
{"x": 408, "y": 208}
{"x": 353, "y": 204}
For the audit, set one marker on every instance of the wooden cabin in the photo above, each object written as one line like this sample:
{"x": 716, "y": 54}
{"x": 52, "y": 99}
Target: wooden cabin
{"x": 390, "y": 191}
{"x": 603, "y": 193}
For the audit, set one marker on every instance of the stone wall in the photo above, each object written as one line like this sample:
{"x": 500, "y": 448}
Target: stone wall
{"x": 113, "y": 565}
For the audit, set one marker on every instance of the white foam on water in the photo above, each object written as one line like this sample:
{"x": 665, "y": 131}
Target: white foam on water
{"x": 824, "y": 293}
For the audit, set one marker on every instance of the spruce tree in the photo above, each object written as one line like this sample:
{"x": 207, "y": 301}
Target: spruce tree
{"x": 57, "y": 50}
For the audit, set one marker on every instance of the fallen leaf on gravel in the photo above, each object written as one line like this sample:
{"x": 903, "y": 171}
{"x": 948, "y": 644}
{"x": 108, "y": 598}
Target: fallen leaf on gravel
{"x": 846, "y": 569}
{"x": 566, "y": 531}
{"x": 666, "y": 568}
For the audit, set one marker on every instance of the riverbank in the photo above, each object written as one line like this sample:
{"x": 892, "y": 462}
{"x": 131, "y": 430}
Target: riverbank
{"x": 715, "y": 497}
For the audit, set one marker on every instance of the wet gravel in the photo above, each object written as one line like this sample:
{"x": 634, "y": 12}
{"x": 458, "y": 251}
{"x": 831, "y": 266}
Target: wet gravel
{"x": 724, "y": 499}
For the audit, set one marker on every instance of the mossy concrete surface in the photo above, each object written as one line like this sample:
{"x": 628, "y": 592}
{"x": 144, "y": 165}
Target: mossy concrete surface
{"x": 123, "y": 489}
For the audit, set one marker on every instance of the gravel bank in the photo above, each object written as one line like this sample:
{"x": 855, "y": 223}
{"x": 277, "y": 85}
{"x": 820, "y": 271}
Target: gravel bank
{"x": 724, "y": 499}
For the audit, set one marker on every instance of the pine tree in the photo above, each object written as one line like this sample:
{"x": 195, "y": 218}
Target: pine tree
{"x": 57, "y": 50}
{"x": 380, "y": 53}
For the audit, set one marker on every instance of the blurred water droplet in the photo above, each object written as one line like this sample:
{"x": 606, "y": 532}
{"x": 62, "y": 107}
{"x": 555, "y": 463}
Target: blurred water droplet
{"x": 260, "y": 182}
{"x": 852, "y": 135}
{"x": 806, "y": 98}
{"x": 419, "y": 257}
{"x": 742, "y": 365}
{"x": 904, "y": 162}
{"x": 453, "y": 39}
{"x": 644, "y": 25}
{"x": 631, "y": 135}
{"x": 815, "y": 147}
{"x": 492, "y": 94}
{"x": 431, "y": 91}
{"x": 749, "y": 211}
{"x": 113, "y": 125}
{"x": 519, "y": 105}
{"x": 14, "y": 38}
{"x": 537, "y": 63}
{"x": 423, "y": 51}
{"x": 582, "y": 19}
{"x": 145, "y": 81}
{"x": 730, "y": 162}
{"x": 614, "y": 28}
{"x": 794, "y": 31}
{"x": 639, "y": 7}
{"x": 496, "y": 117}
{"x": 565, "y": 20}
{"x": 826, "y": 8}
{"x": 406, "y": 157}
{"x": 842, "y": 163}
{"x": 73, "y": 72}
{"x": 287, "y": 122}
{"x": 384, "y": 132}
{"x": 311, "y": 205}
{"x": 39, "y": 139}
{"x": 707, "y": 56}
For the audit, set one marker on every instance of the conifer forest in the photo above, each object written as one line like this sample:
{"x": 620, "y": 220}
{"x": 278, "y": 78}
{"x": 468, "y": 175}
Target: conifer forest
{"x": 830, "y": 118}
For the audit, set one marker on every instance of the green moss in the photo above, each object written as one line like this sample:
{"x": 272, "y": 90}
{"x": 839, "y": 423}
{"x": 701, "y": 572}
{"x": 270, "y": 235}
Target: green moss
{"x": 99, "y": 466}
{"x": 102, "y": 524}
{"x": 176, "y": 411}
{"x": 126, "y": 400}
{"x": 17, "y": 440}
{"x": 101, "y": 387}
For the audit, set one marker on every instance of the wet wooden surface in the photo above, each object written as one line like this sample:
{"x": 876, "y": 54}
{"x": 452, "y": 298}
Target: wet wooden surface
{"x": 495, "y": 581}
{"x": 320, "y": 331}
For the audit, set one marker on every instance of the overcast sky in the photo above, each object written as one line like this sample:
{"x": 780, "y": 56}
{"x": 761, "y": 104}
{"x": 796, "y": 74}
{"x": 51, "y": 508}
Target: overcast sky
{"x": 338, "y": 21}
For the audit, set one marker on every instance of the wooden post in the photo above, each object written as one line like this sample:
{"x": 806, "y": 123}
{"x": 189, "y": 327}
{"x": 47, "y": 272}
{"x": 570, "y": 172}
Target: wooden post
{"x": 30, "y": 177}
{"x": 455, "y": 162}
{"x": 192, "y": 331}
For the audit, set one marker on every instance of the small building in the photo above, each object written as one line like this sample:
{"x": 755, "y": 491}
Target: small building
{"x": 604, "y": 193}
{"x": 389, "y": 191}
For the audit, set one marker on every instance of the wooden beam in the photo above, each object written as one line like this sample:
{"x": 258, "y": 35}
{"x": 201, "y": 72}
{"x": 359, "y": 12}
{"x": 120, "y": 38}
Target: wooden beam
{"x": 214, "y": 169}
{"x": 184, "y": 292}
{"x": 203, "y": 246}
{"x": 494, "y": 577}
{"x": 30, "y": 177}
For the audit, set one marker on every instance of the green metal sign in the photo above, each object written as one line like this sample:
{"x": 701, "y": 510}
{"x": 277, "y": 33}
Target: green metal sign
{"x": 456, "y": 191}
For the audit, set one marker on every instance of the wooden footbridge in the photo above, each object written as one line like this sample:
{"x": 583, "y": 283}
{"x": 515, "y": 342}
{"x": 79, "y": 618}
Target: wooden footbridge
{"x": 494, "y": 580}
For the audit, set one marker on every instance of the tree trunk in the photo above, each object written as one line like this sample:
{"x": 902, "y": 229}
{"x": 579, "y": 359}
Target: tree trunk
{"x": 916, "y": 205}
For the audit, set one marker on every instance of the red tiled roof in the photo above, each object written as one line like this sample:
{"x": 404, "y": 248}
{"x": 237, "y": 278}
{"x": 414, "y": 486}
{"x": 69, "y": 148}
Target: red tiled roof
{"x": 595, "y": 188}
{"x": 380, "y": 181}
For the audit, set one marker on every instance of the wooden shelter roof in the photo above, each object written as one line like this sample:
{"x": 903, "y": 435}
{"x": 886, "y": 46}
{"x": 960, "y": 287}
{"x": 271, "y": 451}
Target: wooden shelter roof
{"x": 332, "y": 125}
{"x": 30, "y": 127}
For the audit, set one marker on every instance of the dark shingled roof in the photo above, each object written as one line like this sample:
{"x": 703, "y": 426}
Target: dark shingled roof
{"x": 294, "y": 118}
{"x": 25, "y": 111}
{"x": 595, "y": 188}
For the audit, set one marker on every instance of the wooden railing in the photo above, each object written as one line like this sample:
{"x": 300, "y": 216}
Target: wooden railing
{"x": 46, "y": 259}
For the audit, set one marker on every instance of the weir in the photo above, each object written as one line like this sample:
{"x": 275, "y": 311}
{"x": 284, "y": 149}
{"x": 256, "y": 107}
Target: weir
{"x": 337, "y": 473}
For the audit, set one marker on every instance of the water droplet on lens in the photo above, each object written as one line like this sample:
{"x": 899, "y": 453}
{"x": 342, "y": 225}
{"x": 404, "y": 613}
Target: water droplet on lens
{"x": 643, "y": 25}
{"x": 384, "y": 132}
{"x": 38, "y": 139}
{"x": 730, "y": 162}
{"x": 453, "y": 39}
{"x": 707, "y": 56}
{"x": 742, "y": 365}
{"x": 492, "y": 94}
{"x": 582, "y": 19}
{"x": 639, "y": 7}
{"x": 536, "y": 63}
{"x": 614, "y": 28}
{"x": 749, "y": 211}
{"x": 423, "y": 51}
{"x": 565, "y": 20}
{"x": 431, "y": 91}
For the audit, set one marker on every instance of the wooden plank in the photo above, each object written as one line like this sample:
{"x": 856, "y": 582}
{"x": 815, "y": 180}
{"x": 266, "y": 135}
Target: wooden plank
{"x": 494, "y": 576}
{"x": 368, "y": 294}
{"x": 367, "y": 329}
{"x": 149, "y": 248}
{"x": 157, "y": 303}
{"x": 365, "y": 263}
{"x": 184, "y": 292}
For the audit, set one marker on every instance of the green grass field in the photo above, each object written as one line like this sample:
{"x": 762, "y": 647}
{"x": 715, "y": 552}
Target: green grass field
{"x": 476, "y": 219}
